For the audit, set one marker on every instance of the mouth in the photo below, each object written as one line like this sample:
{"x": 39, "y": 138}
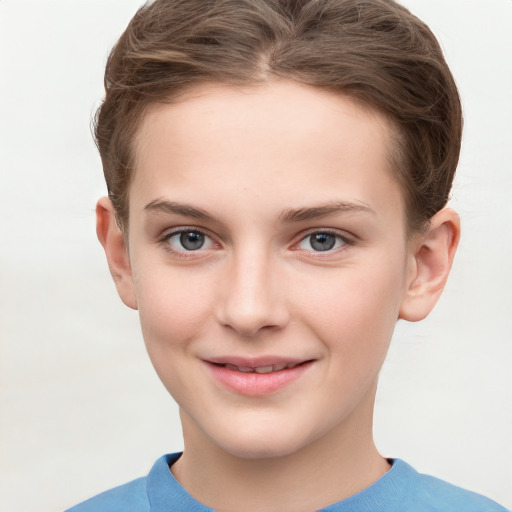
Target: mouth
{"x": 260, "y": 369}
{"x": 257, "y": 377}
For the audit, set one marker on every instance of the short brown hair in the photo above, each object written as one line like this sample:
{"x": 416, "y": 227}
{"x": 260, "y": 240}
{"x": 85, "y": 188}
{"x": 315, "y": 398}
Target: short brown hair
{"x": 374, "y": 51}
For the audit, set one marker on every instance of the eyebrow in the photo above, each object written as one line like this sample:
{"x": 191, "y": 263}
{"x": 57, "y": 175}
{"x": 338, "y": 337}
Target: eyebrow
{"x": 164, "y": 206}
{"x": 288, "y": 216}
{"x": 291, "y": 215}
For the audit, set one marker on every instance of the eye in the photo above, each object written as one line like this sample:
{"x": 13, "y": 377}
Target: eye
{"x": 188, "y": 240}
{"x": 322, "y": 241}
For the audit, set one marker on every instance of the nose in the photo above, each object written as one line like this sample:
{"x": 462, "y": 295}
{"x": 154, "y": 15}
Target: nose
{"x": 253, "y": 296}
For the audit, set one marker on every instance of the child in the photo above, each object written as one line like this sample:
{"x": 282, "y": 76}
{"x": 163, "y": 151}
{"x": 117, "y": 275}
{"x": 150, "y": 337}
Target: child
{"x": 278, "y": 173}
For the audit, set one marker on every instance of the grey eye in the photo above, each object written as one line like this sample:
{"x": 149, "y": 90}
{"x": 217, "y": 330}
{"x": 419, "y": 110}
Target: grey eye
{"x": 188, "y": 240}
{"x": 322, "y": 241}
{"x": 191, "y": 240}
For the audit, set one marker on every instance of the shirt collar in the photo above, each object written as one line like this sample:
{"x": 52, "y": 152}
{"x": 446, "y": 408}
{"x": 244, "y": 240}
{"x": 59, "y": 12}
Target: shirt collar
{"x": 165, "y": 493}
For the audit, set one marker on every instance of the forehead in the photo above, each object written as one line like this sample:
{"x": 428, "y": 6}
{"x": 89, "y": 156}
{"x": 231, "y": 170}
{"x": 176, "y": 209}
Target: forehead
{"x": 280, "y": 138}
{"x": 276, "y": 104}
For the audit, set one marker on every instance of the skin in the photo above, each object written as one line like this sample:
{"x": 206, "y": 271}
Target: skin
{"x": 253, "y": 160}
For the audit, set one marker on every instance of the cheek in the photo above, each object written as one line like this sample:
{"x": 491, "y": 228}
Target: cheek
{"x": 355, "y": 309}
{"x": 173, "y": 314}
{"x": 172, "y": 308}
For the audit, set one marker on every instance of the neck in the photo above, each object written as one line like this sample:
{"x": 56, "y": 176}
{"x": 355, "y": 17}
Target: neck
{"x": 332, "y": 468}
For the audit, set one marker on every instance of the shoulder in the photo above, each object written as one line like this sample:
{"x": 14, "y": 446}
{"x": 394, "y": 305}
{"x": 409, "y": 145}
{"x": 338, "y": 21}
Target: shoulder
{"x": 130, "y": 497}
{"x": 437, "y": 495}
{"x": 159, "y": 488}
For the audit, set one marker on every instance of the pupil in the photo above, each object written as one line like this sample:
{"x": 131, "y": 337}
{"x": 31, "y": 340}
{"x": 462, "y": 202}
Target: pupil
{"x": 191, "y": 240}
{"x": 322, "y": 241}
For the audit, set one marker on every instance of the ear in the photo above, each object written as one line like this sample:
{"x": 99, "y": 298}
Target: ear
{"x": 431, "y": 260}
{"x": 112, "y": 240}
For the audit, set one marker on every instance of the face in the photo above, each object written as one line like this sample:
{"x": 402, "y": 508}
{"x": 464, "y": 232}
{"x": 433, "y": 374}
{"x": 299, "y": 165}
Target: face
{"x": 269, "y": 260}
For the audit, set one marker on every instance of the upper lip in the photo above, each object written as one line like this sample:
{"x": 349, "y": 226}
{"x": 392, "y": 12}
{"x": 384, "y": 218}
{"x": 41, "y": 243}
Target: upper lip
{"x": 255, "y": 362}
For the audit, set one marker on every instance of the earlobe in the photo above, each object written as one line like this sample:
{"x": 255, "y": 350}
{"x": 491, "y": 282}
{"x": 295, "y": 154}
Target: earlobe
{"x": 431, "y": 262}
{"x": 113, "y": 242}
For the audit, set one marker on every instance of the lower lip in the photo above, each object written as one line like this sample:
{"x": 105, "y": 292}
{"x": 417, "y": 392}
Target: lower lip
{"x": 257, "y": 384}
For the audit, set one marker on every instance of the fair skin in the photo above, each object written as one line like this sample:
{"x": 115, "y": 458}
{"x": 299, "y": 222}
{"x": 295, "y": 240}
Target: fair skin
{"x": 266, "y": 229}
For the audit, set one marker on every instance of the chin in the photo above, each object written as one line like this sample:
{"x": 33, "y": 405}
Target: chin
{"x": 263, "y": 444}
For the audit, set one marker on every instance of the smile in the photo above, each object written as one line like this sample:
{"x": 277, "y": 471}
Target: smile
{"x": 253, "y": 378}
{"x": 260, "y": 369}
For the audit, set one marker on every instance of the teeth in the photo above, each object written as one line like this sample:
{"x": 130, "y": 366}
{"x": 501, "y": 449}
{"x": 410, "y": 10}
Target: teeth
{"x": 263, "y": 369}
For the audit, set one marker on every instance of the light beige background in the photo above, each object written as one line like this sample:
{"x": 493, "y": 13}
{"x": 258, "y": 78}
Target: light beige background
{"x": 81, "y": 408}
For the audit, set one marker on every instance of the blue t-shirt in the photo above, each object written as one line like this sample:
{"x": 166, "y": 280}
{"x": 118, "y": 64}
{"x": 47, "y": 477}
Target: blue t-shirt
{"x": 401, "y": 489}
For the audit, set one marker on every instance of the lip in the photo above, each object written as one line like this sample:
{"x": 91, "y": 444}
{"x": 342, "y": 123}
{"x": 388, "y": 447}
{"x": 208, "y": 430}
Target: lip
{"x": 254, "y": 362}
{"x": 252, "y": 383}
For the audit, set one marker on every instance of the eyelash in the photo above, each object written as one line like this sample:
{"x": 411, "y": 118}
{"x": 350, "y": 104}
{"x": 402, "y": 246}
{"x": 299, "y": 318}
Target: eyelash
{"x": 184, "y": 253}
{"x": 345, "y": 242}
